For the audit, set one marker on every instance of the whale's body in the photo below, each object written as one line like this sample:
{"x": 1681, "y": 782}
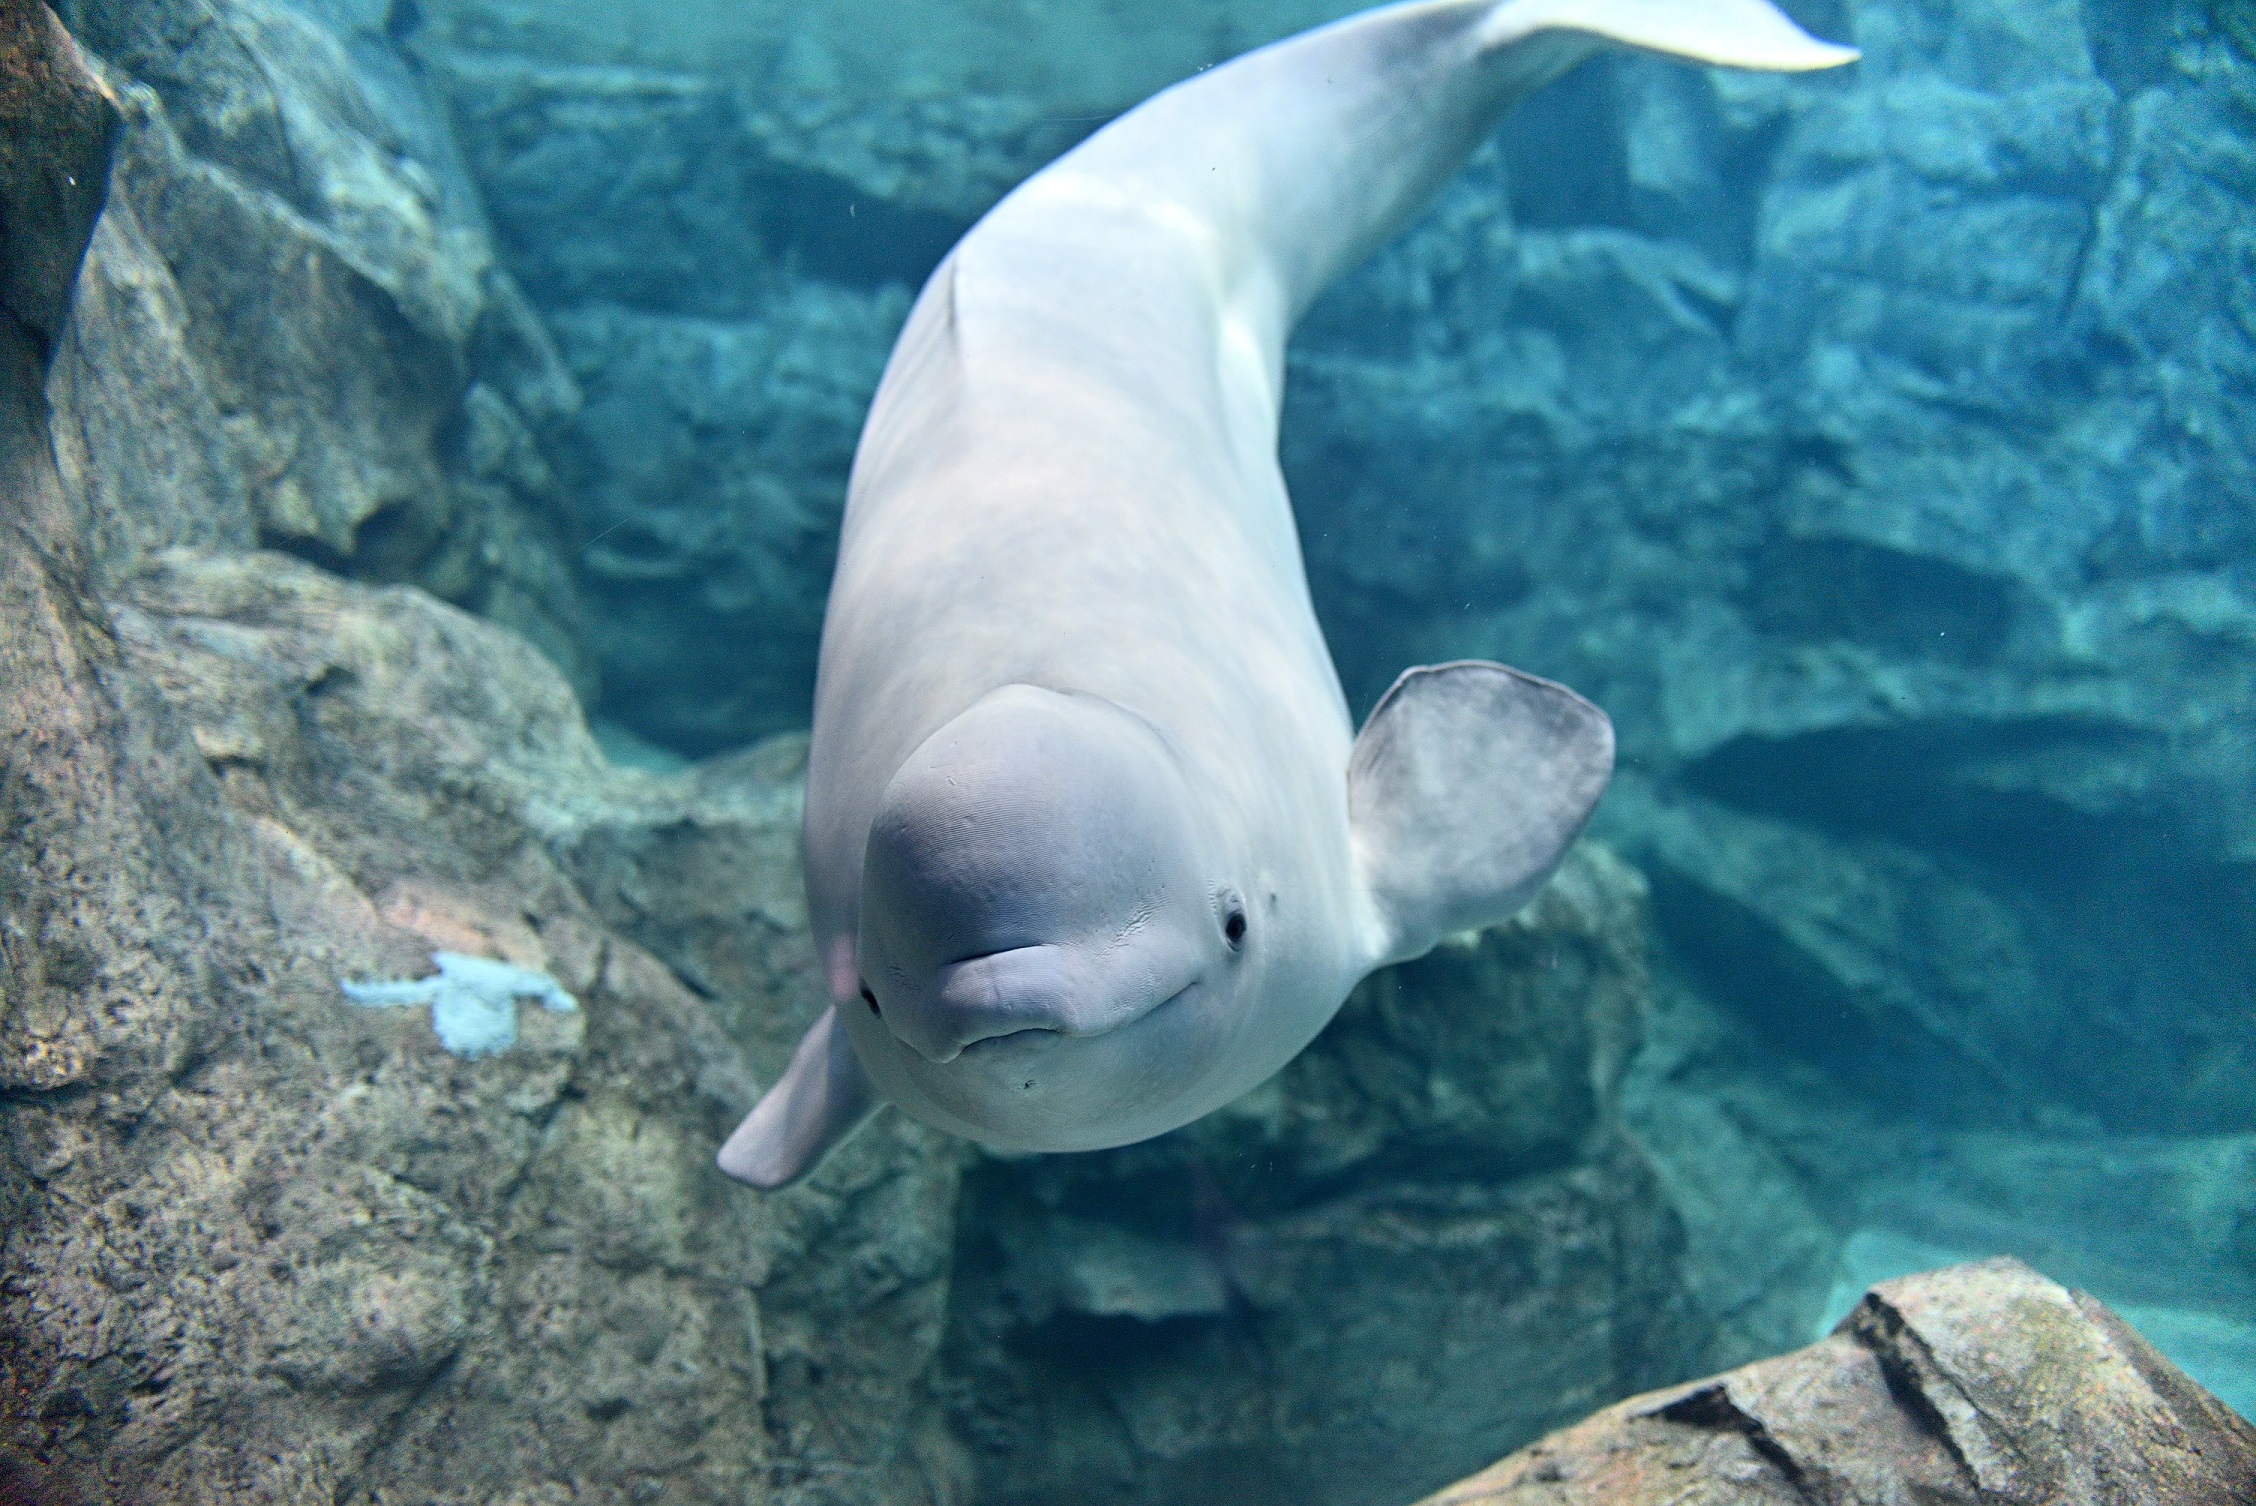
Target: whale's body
{"x": 1091, "y": 844}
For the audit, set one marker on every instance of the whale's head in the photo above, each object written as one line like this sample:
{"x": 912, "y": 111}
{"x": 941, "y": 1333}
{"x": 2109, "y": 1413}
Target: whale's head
{"x": 1052, "y": 952}
{"x": 1073, "y": 934}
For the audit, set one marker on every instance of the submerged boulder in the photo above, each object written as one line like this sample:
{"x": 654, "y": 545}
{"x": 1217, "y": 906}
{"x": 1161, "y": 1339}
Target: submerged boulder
{"x": 1983, "y": 1384}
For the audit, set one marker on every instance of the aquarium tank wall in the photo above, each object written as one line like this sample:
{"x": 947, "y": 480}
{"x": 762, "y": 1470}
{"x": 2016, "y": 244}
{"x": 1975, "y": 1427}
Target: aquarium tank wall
{"x": 423, "y": 498}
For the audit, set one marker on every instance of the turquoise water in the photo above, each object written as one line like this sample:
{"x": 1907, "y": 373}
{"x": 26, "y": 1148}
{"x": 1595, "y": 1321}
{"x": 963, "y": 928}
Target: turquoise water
{"x": 1876, "y": 446}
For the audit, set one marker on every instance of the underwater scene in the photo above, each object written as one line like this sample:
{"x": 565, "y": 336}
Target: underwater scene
{"x": 683, "y": 817}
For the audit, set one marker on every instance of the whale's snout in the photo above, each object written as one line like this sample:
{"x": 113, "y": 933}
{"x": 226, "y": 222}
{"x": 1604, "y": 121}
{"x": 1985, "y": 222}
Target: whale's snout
{"x": 1019, "y": 993}
{"x": 1031, "y": 997}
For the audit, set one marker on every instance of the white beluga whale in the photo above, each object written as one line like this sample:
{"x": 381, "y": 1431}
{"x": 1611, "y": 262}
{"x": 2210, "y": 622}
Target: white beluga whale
{"x": 1091, "y": 845}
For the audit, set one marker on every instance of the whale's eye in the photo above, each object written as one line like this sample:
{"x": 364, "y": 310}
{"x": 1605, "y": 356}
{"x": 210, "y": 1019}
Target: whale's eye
{"x": 871, "y": 1000}
{"x": 1235, "y": 928}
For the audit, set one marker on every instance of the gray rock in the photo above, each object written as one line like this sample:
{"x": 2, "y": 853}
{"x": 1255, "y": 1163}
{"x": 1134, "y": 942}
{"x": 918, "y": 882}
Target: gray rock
{"x": 680, "y": 193}
{"x": 263, "y": 1246}
{"x": 1891, "y": 507}
{"x": 1982, "y": 1383}
{"x": 715, "y": 455}
{"x": 292, "y": 330}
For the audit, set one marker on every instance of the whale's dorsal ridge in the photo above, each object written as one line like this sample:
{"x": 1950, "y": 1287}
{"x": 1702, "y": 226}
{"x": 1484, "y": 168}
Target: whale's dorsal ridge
{"x": 1467, "y": 786}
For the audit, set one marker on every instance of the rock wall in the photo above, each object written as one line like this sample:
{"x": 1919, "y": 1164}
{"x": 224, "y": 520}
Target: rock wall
{"x": 292, "y": 331}
{"x": 1871, "y": 447}
{"x": 1840, "y": 437}
{"x": 259, "y": 1245}
{"x": 263, "y": 1246}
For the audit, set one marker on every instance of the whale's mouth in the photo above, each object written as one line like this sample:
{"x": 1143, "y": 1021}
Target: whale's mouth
{"x": 992, "y": 1026}
{"x": 1018, "y": 1042}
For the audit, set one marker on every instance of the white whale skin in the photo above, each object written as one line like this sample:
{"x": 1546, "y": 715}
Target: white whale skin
{"x": 1091, "y": 847}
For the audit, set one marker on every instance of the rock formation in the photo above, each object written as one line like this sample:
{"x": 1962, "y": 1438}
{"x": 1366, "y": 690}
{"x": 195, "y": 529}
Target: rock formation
{"x": 1985, "y": 1385}
{"x": 260, "y": 1245}
{"x": 292, "y": 330}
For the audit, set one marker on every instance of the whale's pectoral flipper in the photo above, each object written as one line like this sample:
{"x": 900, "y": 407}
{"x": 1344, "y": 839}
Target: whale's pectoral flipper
{"x": 821, "y": 1098}
{"x": 1467, "y": 786}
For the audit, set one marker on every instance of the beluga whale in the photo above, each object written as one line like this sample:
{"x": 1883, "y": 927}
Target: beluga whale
{"x": 1092, "y": 846}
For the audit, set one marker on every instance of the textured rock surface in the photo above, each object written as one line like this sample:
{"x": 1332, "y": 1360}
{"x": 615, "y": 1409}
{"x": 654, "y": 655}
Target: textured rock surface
{"x": 1843, "y": 444}
{"x": 291, "y": 330}
{"x": 709, "y": 578}
{"x": 259, "y": 1245}
{"x": 264, "y": 1246}
{"x": 1977, "y": 1384}
{"x": 1796, "y": 1196}
{"x": 1309, "y": 1296}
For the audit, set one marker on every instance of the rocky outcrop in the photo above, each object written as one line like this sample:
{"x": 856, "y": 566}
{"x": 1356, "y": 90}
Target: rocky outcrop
{"x": 709, "y": 577}
{"x": 260, "y": 1245}
{"x": 1840, "y": 439}
{"x": 291, "y": 330}
{"x": 263, "y": 1245}
{"x": 1977, "y": 1384}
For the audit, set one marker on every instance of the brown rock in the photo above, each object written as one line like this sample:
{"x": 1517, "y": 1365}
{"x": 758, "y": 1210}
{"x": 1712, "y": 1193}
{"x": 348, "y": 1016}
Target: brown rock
{"x": 1981, "y": 1384}
{"x": 259, "y": 1246}
{"x": 265, "y": 1246}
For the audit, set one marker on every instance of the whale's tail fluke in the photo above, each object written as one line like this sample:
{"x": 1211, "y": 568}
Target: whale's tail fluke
{"x": 1729, "y": 33}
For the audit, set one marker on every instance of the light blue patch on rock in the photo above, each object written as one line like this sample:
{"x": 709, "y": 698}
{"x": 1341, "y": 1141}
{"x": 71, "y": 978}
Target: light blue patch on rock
{"x": 473, "y": 1000}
